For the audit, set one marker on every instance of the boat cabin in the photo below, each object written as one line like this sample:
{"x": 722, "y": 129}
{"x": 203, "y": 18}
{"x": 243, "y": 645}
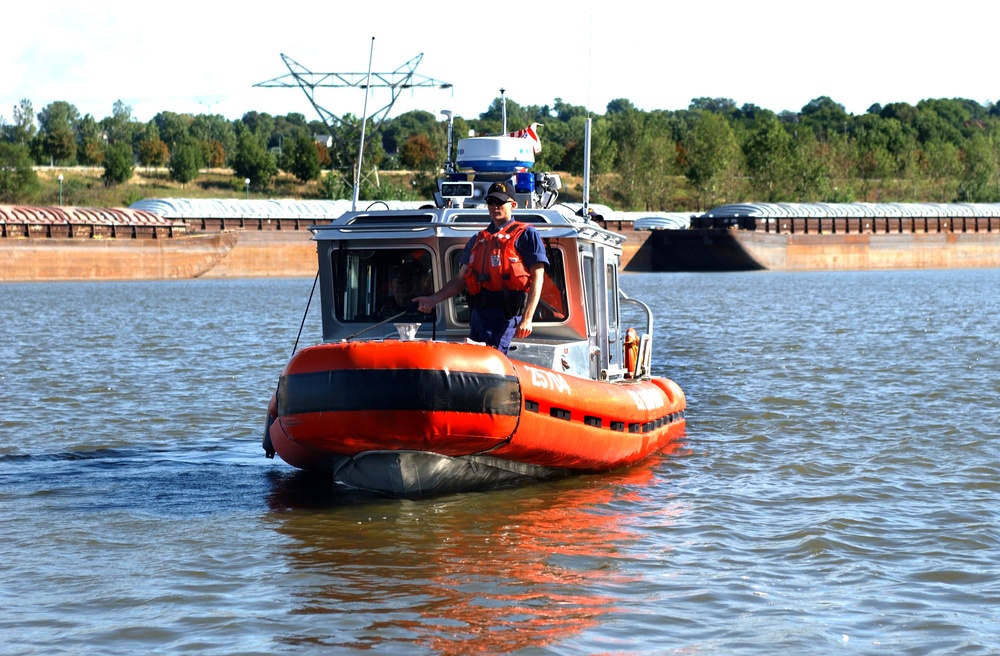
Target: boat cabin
{"x": 372, "y": 261}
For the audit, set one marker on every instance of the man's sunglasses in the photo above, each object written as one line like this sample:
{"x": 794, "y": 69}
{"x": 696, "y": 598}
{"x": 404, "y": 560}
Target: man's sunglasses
{"x": 495, "y": 201}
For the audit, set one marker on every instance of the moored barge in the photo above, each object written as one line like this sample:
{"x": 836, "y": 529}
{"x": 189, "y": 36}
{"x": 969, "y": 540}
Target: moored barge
{"x": 829, "y": 236}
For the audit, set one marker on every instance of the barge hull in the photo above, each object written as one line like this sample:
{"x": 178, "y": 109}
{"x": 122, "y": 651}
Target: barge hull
{"x": 746, "y": 250}
{"x": 190, "y": 256}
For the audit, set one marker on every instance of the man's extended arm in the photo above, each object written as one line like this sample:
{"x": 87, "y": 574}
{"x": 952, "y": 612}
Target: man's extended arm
{"x": 454, "y": 286}
{"x": 534, "y": 295}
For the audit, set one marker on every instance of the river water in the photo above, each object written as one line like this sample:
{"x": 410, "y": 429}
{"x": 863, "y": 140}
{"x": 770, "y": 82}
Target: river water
{"x": 836, "y": 491}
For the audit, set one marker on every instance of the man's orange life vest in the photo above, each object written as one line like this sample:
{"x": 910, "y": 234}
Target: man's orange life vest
{"x": 495, "y": 264}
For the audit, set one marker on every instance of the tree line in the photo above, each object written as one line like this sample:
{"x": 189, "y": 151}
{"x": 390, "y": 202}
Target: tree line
{"x": 713, "y": 152}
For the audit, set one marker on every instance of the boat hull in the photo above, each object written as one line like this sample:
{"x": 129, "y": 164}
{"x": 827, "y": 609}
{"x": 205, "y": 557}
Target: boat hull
{"x": 423, "y": 416}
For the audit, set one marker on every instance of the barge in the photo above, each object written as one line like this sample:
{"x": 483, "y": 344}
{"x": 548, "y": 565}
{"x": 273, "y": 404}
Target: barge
{"x": 82, "y": 243}
{"x": 828, "y": 236}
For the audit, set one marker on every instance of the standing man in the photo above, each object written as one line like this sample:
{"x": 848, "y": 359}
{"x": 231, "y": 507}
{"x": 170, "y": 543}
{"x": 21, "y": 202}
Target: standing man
{"x": 502, "y": 270}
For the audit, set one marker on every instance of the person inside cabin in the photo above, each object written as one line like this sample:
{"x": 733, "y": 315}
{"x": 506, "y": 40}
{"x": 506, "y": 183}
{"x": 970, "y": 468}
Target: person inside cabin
{"x": 502, "y": 270}
{"x": 405, "y": 282}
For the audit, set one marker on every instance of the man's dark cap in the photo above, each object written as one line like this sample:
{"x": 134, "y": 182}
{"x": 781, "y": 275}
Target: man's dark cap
{"x": 501, "y": 191}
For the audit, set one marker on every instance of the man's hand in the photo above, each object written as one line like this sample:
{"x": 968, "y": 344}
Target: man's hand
{"x": 425, "y": 303}
{"x": 524, "y": 327}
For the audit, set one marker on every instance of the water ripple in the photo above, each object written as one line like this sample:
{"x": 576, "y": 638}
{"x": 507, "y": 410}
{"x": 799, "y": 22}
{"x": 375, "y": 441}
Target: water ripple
{"x": 836, "y": 489}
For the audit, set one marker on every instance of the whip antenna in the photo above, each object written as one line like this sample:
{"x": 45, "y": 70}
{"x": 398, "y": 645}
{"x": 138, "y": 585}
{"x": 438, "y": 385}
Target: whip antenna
{"x": 364, "y": 121}
{"x": 586, "y": 133}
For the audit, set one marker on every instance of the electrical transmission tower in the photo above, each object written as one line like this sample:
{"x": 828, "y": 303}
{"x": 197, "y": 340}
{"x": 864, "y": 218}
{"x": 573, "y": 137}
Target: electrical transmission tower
{"x": 402, "y": 78}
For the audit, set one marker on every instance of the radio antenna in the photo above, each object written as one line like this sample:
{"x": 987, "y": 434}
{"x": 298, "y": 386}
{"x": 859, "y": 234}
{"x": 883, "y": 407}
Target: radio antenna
{"x": 364, "y": 120}
{"x": 586, "y": 136}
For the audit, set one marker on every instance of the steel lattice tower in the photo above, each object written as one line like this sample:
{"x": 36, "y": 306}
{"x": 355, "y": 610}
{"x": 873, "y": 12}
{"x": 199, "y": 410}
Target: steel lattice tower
{"x": 402, "y": 78}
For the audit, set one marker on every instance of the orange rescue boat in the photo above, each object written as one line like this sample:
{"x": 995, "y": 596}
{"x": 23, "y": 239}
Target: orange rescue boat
{"x": 400, "y": 403}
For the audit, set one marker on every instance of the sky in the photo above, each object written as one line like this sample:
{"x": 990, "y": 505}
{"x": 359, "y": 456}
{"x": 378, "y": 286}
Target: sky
{"x": 206, "y": 56}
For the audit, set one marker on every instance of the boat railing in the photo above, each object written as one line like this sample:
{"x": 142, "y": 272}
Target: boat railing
{"x": 645, "y": 339}
{"x": 647, "y": 312}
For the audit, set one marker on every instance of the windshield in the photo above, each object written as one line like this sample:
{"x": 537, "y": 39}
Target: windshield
{"x": 378, "y": 284}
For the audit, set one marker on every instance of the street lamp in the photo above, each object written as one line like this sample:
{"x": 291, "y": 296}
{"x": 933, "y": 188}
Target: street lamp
{"x": 246, "y": 183}
{"x": 60, "y": 189}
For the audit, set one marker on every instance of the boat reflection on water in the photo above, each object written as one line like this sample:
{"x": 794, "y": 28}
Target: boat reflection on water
{"x": 480, "y": 572}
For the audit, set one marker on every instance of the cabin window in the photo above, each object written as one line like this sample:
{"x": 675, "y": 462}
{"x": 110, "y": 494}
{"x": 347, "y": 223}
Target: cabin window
{"x": 611, "y": 298}
{"x": 552, "y": 307}
{"x": 590, "y": 285}
{"x": 378, "y": 284}
{"x": 462, "y": 311}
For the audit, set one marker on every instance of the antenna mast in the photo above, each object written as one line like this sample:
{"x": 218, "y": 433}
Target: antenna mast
{"x": 364, "y": 121}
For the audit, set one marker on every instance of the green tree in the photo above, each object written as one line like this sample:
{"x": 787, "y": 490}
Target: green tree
{"x": 711, "y": 152}
{"x": 564, "y": 112}
{"x": 251, "y": 159}
{"x": 492, "y": 119}
{"x": 872, "y": 159}
{"x": 749, "y": 116}
{"x": 603, "y": 148}
{"x": 723, "y": 106}
{"x": 57, "y": 123}
{"x": 344, "y": 152}
{"x": 552, "y": 155}
{"x": 418, "y": 122}
{"x": 18, "y": 180}
{"x": 172, "y": 128}
{"x": 60, "y": 146}
{"x": 23, "y": 129}
{"x": 810, "y": 167}
{"x": 931, "y": 127}
{"x": 903, "y": 112}
{"x": 957, "y": 116}
{"x": 620, "y": 106}
{"x": 825, "y": 118}
{"x": 304, "y": 159}
{"x": 119, "y": 163}
{"x": 89, "y": 142}
{"x": 333, "y": 187}
{"x": 216, "y": 131}
{"x": 260, "y": 124}
{"x": 120, "y": 126}
{"x": 185, "y": 160}
{"x": 767, "y": 156}
{"x": 941, "y": 162}
{"x": 978, "y": 183}
{"x": 644, "y": 165}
